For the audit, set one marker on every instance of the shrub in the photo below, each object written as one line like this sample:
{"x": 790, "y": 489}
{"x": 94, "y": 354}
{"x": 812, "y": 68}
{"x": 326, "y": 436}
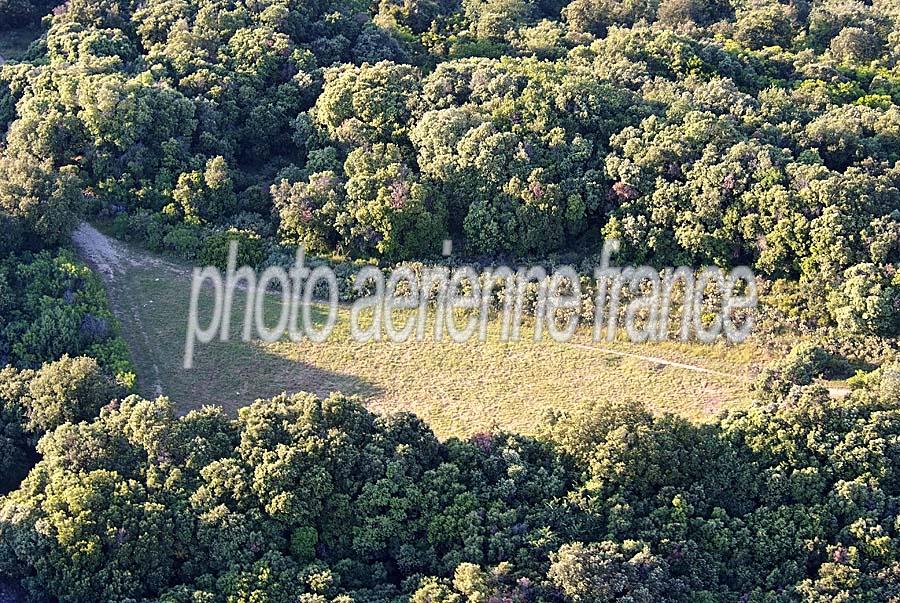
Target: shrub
{"x": 867, "y": 301}
{"x": 214, "y": 250}
{"x": 67, "y": 390}
{"x": 800, "y": 367}
{"x": 16, "y": 452}
{"x": 184, "y": 240}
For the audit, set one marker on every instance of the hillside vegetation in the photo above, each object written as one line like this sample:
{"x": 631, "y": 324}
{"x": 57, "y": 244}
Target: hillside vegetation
{"x": 724, "y": 132}
{"x": 696, "y": 131}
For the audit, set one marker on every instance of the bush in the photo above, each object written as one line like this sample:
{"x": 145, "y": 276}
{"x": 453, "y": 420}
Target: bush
{"x": 308, "y": 211}
{"x": 867, "y": 301}
{"x": 768, "y": 25}
{"x": 214, "y": 250}
{"x": 16, "y": 451}
{"x": 805, "y": 363}
{"x": 184, "y": 240}
{"x": 33, "y": 403}
{"x": 66, "y": 391}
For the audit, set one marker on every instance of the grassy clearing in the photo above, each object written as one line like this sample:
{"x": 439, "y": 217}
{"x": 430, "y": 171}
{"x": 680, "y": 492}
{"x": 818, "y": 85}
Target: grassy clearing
{"x": 458, "y": 389}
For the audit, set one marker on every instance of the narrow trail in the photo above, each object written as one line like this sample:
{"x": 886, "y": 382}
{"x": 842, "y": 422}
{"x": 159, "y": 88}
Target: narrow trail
{"x": 834, "y": 392}
{"x": 112, "y": 259}
{"x": 658, "y": 360}
{"x": 110, "y": 256}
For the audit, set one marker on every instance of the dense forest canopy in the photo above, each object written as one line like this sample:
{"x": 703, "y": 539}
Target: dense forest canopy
{"x": 696, "y": 131}
{"x": 302, "y": 499}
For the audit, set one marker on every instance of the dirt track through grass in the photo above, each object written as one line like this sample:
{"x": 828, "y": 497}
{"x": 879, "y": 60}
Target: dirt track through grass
{"x": 459, "y": 389}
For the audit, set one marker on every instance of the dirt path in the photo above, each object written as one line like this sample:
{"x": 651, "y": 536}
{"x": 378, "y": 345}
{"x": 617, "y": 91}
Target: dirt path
{"x": 112, "y": 258}
{"x": 658, "y": 360}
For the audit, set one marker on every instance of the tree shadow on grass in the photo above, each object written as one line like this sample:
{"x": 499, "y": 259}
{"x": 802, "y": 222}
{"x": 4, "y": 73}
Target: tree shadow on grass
{"x": 234, "y": 374}
{"x": 153, "y": 315}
